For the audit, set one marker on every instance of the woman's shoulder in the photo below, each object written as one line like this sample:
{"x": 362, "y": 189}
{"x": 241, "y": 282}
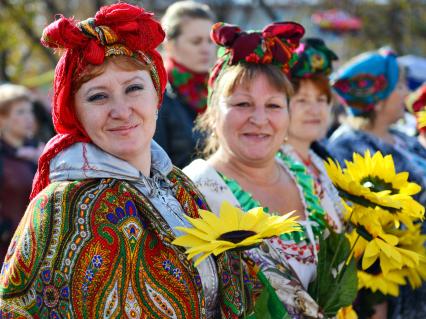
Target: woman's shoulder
{"x": 344, "y": 134}
{"x": 204, "y": 176}
{"x": 210, "y": 184}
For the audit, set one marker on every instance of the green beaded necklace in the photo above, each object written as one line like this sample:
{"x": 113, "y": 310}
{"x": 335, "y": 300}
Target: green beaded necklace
{"x": 306, "y": 183}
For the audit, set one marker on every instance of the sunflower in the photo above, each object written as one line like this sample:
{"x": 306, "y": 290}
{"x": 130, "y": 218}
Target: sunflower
{"x": 421, "y": 119}
{"x": 384, "y": 248}
{"x": 371, "y": 182}
{"x": 347, "y": 313}
{"x": 388, "y": 285}
{"x": 413, "y": 240}
{"x": 231, "y": 230}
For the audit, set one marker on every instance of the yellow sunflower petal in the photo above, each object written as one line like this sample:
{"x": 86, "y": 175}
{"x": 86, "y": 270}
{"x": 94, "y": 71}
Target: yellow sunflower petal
{"x": 196, "y": 233}
{"x": 231, "y": 215}
{"x": 188, "y": 241}
{"x": 202, "y": 225}
{"x": 201, "y": 258}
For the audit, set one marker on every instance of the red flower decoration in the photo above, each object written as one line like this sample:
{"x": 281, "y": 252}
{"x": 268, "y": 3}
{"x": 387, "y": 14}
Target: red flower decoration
{"x": 252, "y": 58}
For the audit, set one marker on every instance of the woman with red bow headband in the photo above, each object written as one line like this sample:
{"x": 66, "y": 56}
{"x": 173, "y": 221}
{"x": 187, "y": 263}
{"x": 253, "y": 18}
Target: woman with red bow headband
{"x": 246, "y": 122}
{"x": 96, "y": 238}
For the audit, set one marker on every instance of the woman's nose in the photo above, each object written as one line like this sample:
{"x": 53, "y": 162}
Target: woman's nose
{"x": 121, "y": 109}
{"x": 259, "y": 116}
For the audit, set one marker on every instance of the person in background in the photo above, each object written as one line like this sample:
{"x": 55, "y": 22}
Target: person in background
{"x": 374, "y": 89}
{"x": 246, "y": 123}
{"x": 310, "y": 108}
{"x": 416, "y": 104}
{"x": 18, "y": 159}
{"x": 44, "y": 130}
{"x": 96, "y": 239}
{"x": 189, "y": 54}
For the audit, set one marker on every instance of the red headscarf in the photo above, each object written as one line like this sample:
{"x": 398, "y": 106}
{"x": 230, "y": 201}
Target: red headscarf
{"x": 118, "y": 29}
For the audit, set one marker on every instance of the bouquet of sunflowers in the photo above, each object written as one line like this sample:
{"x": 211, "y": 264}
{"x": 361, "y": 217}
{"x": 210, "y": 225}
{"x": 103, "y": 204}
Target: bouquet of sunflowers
{"x": 383, "y": 225}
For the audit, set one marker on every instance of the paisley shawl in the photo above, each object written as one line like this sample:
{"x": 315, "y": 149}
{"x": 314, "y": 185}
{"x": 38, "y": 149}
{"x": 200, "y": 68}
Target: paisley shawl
{"x": 99, "y": 248}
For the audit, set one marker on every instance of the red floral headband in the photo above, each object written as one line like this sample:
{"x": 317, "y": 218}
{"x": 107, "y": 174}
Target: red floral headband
{"x": 275, "y": 44}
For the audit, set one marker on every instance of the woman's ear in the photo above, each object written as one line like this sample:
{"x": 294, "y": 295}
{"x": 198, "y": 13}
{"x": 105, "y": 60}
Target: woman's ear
{"x": 380, "y": 106}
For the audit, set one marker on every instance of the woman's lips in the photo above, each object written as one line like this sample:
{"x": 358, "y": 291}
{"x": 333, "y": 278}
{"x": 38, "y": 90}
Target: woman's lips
{"x": 256, "y": 136}
{"x": 312, "y": 121}
{"x": 123, "y": 130}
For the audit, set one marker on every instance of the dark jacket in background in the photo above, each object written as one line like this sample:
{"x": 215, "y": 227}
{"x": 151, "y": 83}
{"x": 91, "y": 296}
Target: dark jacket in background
{"x": 16, "y": 177}
{"x": 174, "y": 130}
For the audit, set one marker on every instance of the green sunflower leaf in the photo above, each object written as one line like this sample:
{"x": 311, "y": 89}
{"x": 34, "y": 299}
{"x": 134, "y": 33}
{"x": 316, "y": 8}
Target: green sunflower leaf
{"x": 336, "y": 283}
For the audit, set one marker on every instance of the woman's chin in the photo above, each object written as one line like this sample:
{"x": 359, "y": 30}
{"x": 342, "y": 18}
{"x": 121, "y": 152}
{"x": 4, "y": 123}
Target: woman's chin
{"x": 259, "y": 155}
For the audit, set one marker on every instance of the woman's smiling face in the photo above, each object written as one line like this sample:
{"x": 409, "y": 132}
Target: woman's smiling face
{"x": 309, "y": 113}
{"x": 117, "y": 109}
{"x": 253, "y": 121}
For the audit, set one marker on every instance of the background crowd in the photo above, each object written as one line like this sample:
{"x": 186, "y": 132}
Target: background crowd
{"x": 336, "y": 106}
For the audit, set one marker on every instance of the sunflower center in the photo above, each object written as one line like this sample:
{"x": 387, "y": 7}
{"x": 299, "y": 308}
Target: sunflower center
{"x": 236, "y": 236}
{"x": 377, "y": 184}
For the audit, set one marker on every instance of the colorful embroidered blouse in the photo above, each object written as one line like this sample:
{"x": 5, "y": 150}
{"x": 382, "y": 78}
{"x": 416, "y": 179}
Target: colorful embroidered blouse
{"x": 296, "y": 247}
{"x": 288, "y": 263}
{"x": 323, "y": 187}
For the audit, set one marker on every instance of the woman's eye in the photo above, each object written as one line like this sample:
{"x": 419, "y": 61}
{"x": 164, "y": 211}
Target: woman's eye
{"x": 322, "y": 100}
{"x": 274, "y": 106}
{"x": 96, "y": 97}
{"x": 241, "y": 104}
{"x": 197, "y": 41}
{"x": 134, "y": 88}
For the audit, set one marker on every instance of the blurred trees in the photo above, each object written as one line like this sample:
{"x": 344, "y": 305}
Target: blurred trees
{"x": 399, "y": 23}
{"x": 21, "y": 24}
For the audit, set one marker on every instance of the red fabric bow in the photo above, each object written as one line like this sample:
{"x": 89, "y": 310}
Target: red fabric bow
{"x": 275, "y": 44}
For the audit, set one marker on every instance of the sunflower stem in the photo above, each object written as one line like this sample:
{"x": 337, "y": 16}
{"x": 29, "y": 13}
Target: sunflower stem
{"x": 352, "y": 249}
{"x": 340, "y": 244}
{"x": 344, "y": 267}
{"x": 243, "y": 297}
{"x": 347, "y": 259}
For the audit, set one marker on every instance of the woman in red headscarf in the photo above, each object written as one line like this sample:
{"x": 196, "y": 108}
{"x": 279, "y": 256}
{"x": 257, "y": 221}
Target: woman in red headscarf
{"x": 96, "y": 238}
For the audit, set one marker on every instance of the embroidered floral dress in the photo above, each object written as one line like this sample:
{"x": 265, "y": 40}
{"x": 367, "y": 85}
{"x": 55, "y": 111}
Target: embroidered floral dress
{"x": 293, "y": 255}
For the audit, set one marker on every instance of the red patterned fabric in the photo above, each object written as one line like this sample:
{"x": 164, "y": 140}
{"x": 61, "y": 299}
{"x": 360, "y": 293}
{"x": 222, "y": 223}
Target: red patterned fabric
{"x": 416, "y": 102}
{"x": 275, "y": 44}
{"x": 190, "y": 86}
{"x": 116, "y": 29}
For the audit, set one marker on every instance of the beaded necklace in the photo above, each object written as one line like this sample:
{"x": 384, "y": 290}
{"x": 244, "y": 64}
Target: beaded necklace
{"x": 305, "y": 184}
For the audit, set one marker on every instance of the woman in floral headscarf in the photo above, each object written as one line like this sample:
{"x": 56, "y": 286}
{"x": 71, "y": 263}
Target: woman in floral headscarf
{"x": 96, "y": 238}
{"x": 374, "y": 88}
{"x": 310, "y": 108}
{"x": 246, "y": 121}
